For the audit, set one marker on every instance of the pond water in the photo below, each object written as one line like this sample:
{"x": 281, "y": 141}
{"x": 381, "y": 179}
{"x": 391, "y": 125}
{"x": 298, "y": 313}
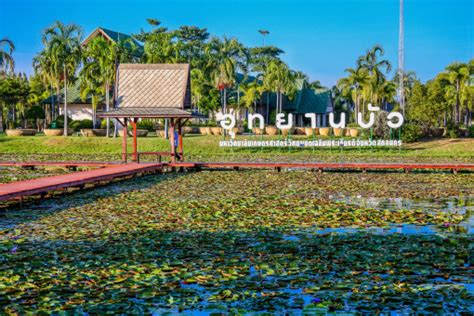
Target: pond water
{"x": 454, "y": 204}
{"x": 287, "y": 265}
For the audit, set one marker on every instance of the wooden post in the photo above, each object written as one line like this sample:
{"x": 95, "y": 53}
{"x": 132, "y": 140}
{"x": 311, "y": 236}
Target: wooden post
{"x": 124, "y": 141}
{"x": 180, "y": 140}
{"x": 135, "y": 151}
{"x": 173, "y": 148}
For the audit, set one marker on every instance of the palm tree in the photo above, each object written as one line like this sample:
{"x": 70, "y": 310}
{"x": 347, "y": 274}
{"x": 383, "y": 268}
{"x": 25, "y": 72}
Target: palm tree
{"x": 99, "y": 60}
{"x": 353, "y": 86}
{"x": 281, "y": 80}
{"x": 91, "y": 85}
{"x": 458, "y": 75}
{"x": 6, "y": 60}
{"x": 260, "y": 57}
{"x": 409, "y": 79}
{"x": 252, "y": 92}
{"x": 44, "y": 68}
{"x": 226, "y": 57}
{"x": 371, "y": 62}
{"x": 63, "y": 43}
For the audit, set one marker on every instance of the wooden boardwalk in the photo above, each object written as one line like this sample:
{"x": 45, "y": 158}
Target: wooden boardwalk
{"x": 324, "y": 166}
{"x": 44, "y": 185}
{"x": 65, "y": 164}
{"x": 111, "y": 171}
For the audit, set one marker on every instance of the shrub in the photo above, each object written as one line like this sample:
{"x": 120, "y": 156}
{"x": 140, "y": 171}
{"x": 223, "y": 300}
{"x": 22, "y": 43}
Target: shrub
{"x": 76, "y": 125}
{"x": 103, "y": 124}
{"x": 452, "y": 133}
{"x": 60, "y": 121}
{"x": 411, "y": 132}
{"x": 86, "y": 123}
{"x": 381, "y": 129}
{"x": 35, "y": 112}
{"x": 145, "y": 124}
{"x": 471, "y": 131}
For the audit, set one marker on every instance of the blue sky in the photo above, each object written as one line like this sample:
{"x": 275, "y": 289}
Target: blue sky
{"x": 321, "y": 38}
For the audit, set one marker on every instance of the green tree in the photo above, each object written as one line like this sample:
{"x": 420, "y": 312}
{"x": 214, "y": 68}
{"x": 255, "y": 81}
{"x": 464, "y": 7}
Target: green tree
{"x": 420, "y": 109}
{"x": 373, "y": 64}
{"x": 97, "y": 75}
{"x": 457, "y": 74}
{"x": 193, "y": 39}
{"x": 281, "y": 80}
{"x": 353, "y": 86}
{"x": 46, "y": 71}
{"x": 259, "y": 58}
{"x": 225, "y": 58}
{"x": 252, "y": 92}
{"x": 7, "y": 63}
{"x": 14, "y": 92}
{"x": 62, "y": 42}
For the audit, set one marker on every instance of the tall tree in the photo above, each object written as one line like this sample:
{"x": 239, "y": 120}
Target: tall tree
{"x": 260, "y": 57}
{"x": 353, "y": 86}
{"x": 7, "y": 63}
{"x": 99, "y": 57}
{"x": 63, "y": 43}
{"x": 281, "y": 80}
{"x": 226, "y": 57}
{"x": 372, "y": 62}
{"x": 46, "y": 71}
{"x": 193, "y": 39}
{"x": 458, "y": 75}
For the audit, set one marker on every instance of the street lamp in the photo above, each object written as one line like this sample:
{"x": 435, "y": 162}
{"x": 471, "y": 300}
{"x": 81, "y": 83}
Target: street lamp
{"x": 264, "y": 33}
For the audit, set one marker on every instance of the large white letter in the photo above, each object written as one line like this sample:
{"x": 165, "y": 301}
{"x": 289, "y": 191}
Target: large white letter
{"x": 280, "y": 121}
{"x": 252, "y": 117}
{"x": 342, "y": 121}
{"x": 361, "y": 122}
{"x": 372, "y": 109}
{"x": 311, "y": 116}
{"x": 398, "y": 115}
{"x": 227, "y": 121}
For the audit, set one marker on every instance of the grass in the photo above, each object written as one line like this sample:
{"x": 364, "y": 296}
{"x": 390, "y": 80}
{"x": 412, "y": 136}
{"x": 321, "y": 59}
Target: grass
{"x": 207, "y": 148}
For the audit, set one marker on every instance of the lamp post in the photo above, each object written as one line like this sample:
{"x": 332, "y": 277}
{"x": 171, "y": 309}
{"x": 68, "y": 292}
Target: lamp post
{"x": 401, "y": 47}
{"x": 264, "y": 33}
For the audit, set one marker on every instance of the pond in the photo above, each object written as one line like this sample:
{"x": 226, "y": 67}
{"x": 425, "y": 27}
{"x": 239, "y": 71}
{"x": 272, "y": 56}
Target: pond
{"x": 241, "y": 242}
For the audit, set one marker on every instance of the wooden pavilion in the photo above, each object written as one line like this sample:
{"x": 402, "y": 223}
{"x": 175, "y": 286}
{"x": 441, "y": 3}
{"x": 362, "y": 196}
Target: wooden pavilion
{"x": 152, "y": 91}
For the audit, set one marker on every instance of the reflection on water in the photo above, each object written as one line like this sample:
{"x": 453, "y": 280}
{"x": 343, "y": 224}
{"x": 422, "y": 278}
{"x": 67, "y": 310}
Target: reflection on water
{"x": 458, "y": 205}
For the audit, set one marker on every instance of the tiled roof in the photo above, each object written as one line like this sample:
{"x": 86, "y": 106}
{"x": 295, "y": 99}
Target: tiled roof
{"x": 147, "y": 112}
{"x": 312, "y": 101}
{"x": 153, "y": 86}
{"x": 73, "y": 96}
{"x": 115, "y": 37}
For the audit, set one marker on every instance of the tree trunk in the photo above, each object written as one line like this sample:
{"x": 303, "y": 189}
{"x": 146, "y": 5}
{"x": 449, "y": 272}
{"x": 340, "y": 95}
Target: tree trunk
{"x": 225, "y": 107}
{"x": 51, "y": 118}
{"x": 65, "y": 102}
{"x": 457, "y": 112}
{"x": 268, "y": 108}
{"x": 56, "y": 111}
{"x": 107, "y": 107}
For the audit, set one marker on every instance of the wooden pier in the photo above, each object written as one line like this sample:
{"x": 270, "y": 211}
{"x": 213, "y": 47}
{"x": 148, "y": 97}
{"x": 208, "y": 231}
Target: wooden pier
{"x": 104, "y": 172}
{"x": 322, "y": 166}
{"x": 19, "y": 189}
